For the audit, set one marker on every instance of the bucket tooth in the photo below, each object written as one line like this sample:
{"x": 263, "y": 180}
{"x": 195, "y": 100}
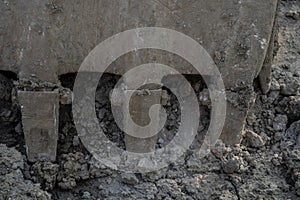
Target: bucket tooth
{"x": 139, "y": 109}
{"x": 40, "y": 123}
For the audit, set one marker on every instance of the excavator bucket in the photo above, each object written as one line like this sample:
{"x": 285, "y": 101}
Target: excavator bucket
{"x": 42, "y": 40}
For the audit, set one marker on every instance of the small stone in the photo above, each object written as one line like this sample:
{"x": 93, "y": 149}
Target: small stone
{"x": 254, "y": 139}
{"x": 293, "y": 14}
{"x": 86, "y": 195}
{"x": 275, "y": 86}
{"x": 204, "y": 97}
{"x": 129, "y": 179}
{"x": 280, "y": 122}
{"x": 66, "y": 97}
{"x": 293, "y": 132}
{"x": 232, "y": 165}
{"x": 161, "y": 141}
{"x": 251, "y": 119}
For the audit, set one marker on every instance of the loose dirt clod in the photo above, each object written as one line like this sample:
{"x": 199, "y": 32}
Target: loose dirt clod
{"x": 254, "y": 139}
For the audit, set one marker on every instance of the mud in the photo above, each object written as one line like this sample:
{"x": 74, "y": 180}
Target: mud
{"x": 12, "y": 183}
{"x": 266, "y": 165}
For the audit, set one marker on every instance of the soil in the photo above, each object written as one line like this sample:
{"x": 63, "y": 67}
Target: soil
{"x": 266, "y": 165}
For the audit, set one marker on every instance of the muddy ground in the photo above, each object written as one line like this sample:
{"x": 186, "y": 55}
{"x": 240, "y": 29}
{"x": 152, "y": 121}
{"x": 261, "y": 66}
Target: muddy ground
{"x": 265, "y": 166}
